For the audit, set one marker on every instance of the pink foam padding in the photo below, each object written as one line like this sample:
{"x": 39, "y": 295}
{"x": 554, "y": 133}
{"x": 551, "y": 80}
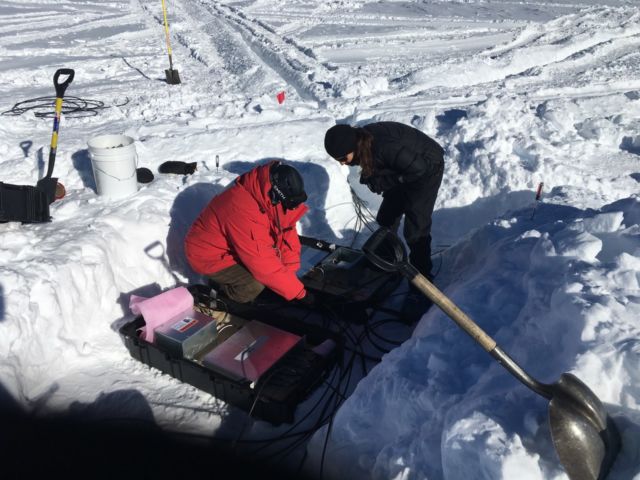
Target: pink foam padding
{"x": 160, "y": 309}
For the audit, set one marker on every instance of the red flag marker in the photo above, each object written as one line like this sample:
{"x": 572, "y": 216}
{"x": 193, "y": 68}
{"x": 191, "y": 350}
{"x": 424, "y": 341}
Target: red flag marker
{"x": 280, "y": 97}
{"x": 538, "y": 197}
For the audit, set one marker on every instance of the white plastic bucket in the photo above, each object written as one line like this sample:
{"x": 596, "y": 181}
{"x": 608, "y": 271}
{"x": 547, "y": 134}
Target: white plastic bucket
{"x": 114, "y": 163}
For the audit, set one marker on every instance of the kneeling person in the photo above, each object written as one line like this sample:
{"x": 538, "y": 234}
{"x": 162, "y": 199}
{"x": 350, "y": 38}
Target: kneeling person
{"x": 246, "y": 238}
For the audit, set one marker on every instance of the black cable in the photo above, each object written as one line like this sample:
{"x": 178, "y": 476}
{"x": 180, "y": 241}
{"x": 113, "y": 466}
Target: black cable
{"x": 363, "y": 215}
{"x": 384, "y": 321}
{"x": 347, "y": 329}
{"x": 384, "y": 339}
{"x": 375, "y": 345}
{"x": 346, "y": 374}
{"x": 255, "y": 402}
{"x": 285, "y": 435}
{"x": 44, "y": 107}
{"x": 366, "y": 356}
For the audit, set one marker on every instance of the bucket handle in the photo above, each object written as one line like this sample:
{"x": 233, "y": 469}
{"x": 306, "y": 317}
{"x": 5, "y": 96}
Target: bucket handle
{"x": 117, "y": 178}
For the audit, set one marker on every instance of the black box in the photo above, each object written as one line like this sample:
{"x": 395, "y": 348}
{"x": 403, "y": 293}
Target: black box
{"x": 275, "y": 396}
{"x": 345, "y": 278}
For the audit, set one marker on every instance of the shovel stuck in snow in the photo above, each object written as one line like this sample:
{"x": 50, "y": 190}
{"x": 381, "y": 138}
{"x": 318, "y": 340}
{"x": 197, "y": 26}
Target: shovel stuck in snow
{"x": 52, "y": 188}
{"x": 584, "y": 435}
{"x": 172, "y": 76}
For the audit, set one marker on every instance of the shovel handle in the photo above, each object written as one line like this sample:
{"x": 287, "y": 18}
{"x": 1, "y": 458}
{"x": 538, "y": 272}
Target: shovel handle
{"x": 62, "y": 86}
{"x": 60, "y": 89}
{"x": 166, "y": 32}
{"x": 452, "y": 310}
{"x": 395, "y": 258}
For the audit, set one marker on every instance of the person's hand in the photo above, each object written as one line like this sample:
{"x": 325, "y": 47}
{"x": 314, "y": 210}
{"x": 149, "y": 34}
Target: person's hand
{"x": 380, "y": 183}
{"x": 375, "y": 185}
{"x": 308, "y": 300}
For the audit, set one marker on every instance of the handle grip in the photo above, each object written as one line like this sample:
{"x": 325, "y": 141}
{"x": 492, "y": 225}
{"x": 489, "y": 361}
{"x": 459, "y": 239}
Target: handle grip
{"x": 393, "y": 258}
{"x": 62, "y": 86}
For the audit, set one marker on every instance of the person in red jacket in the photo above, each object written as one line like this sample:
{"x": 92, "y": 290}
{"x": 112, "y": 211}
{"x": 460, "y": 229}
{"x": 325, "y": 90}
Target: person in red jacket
{"x": 246, "y": 238}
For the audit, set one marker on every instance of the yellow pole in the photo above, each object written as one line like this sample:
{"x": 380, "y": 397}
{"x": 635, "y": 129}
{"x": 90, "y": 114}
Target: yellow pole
{"x": 166, "y": 32}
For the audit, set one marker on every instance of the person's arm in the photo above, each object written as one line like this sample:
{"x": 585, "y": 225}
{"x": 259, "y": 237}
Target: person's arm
{"x": 291, "y": 248}
{"x": 409, "y": 165}
{"x": 402, "y": 166}
{"x": 254, "y": 247}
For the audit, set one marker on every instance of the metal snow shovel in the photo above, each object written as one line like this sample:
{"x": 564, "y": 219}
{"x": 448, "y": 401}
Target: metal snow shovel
{"x": 173, "y": 77}
{"x": 584, "y": 435}
{"x": 49, "y": 185}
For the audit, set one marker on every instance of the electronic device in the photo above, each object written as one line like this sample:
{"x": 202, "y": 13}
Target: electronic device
{"x": 186, "y": 334}
{"x": 251, "y": 351}
{"x": 345, "y": 273}
{"x": 309, "y": 258}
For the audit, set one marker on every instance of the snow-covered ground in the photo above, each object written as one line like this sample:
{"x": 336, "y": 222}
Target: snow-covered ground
{"x": 518, "y": 93}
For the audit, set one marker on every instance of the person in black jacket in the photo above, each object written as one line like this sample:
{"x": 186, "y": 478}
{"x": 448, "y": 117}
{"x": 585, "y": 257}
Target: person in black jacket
{"x": 405, "y": 166}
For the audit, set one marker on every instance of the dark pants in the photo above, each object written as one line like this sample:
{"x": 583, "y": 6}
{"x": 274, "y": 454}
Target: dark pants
{"x": 237, "y": 283}
{"x": 416, "y": 202}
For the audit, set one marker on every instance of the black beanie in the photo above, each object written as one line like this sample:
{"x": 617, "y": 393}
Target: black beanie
{"x": 287, "y": 186}
{"x": 340, "y": 140}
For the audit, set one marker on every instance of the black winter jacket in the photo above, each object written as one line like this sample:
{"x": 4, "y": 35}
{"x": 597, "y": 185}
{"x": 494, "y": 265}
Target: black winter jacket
{"x": 401, "y": 154}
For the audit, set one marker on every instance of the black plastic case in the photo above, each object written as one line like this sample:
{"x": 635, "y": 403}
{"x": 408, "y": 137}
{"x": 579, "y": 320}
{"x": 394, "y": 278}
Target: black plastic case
{"x": 345, "y": 279}
{"x": 274, "y": 397}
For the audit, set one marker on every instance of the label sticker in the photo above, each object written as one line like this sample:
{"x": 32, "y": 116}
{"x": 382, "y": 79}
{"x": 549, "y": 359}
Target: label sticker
{"x": 184, "y": 324}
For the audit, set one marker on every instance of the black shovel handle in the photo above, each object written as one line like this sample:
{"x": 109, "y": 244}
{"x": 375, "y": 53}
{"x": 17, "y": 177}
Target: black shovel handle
{"x": 62, "y": 86}
{"x": 395, "y": 257}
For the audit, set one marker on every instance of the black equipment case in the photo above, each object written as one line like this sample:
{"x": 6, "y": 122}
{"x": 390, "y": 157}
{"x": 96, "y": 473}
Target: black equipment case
{"x": 275, "y": 395}
{"x": 343, "y": 278}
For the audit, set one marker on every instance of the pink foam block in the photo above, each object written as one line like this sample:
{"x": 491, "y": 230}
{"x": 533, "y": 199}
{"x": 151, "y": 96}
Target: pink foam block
{"x": 159, "y": 309}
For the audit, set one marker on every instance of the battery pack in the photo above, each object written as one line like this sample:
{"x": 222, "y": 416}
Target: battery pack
{"x": 186, "y": 334}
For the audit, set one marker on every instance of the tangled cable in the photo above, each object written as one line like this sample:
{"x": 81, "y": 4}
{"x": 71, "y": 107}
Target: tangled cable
{"x": 364, "y": 217}
{"x": 44, "y": 107}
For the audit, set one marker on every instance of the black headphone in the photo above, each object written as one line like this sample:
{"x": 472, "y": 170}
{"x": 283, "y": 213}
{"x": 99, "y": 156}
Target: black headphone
{"x": 287, "y": 186}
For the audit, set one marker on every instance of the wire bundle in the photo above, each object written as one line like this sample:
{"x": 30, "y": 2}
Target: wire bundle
{"x": 364, "y": 217}
{"x": 44, "y": 107}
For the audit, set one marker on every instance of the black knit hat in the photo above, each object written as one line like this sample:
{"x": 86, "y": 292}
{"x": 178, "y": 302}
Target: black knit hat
{"x": 340, "y": 140}
{"x": 287, "y": 186}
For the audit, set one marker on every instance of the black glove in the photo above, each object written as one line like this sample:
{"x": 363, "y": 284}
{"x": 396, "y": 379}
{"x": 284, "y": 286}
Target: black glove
{"x": 380, "y": 183}
{"x": 374, "y": 184}
{"x": 180, "y": 168}
{"x": 308, "y": 300}
{"x": 144, "y": 175}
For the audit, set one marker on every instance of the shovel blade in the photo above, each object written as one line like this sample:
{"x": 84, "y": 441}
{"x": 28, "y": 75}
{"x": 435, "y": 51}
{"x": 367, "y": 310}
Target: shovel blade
{"x": 584, "y": 435}
{"x": 173, "y": 77}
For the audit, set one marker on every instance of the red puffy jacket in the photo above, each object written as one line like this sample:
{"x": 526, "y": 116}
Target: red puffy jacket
{"x": 241, "y": 225}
